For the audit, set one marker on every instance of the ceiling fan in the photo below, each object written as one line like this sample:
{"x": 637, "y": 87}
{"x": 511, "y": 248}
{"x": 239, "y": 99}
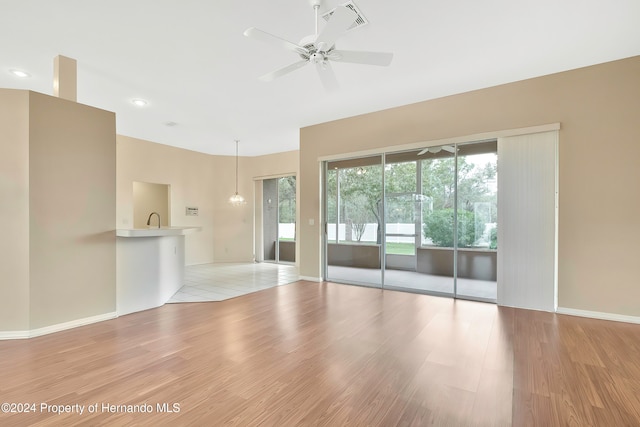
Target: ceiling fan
{"x": 435, "y": 150}
{"x": 319, "y": 48}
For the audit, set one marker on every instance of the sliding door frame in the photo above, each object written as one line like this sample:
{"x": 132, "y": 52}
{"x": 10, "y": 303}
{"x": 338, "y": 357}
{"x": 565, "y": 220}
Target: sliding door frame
{"x": 325, "y": 223}
{"x": 258, "y": 241}
{"x": 383, "y": 231}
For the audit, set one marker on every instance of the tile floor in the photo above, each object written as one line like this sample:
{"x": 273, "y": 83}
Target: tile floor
{"x": 218, "y": 282}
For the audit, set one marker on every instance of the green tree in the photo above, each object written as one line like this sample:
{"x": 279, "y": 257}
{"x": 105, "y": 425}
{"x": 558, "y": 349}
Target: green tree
{"x": 438, "y": 181}
{"x": 474, "y": 192}
{"x": 360, "y": 193}
{"x": 287, "y": 199}
{"x": 359, "y": 214}
{"x": 473, "y": 188}
{"x": 400, "y": 177}
{"x": 360, "y": 197}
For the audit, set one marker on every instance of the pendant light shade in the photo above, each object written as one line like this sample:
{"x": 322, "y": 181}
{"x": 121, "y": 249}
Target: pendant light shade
{"x": 237, "y": 199}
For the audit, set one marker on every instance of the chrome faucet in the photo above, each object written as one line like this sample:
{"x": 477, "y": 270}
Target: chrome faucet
{"x": 149, "y": 219}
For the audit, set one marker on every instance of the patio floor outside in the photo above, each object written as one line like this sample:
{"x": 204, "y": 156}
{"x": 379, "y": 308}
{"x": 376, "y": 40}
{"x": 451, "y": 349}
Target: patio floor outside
{"x": 416, "y": 282}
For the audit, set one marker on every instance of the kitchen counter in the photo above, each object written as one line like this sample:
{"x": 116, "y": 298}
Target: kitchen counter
{"x": 155, "y": 231}
{"x": 149, "y": 266}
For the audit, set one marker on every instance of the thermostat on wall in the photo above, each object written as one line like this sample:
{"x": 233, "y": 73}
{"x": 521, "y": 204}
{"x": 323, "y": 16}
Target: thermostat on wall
{"x": 191, "y": 211}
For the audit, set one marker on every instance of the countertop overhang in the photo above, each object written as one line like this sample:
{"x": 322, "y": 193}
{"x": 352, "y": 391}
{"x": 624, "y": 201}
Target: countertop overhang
{"x": 156, "y": 232}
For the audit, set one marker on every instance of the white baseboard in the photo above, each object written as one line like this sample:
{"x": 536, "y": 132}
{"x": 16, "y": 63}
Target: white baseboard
{"x": 9, "y": 335}
{"x": 13, "y": 335}
{"x": 234, "y": 261}
{"x": 311, "y": 279}
{"x": 598, "y": 315}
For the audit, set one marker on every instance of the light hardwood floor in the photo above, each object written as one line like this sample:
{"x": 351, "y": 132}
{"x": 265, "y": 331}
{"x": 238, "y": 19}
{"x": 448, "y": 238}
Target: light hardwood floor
{"x": 334, "y": 355}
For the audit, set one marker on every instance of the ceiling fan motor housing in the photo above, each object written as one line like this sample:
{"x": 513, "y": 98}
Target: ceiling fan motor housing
{"x": 316, "y": 57}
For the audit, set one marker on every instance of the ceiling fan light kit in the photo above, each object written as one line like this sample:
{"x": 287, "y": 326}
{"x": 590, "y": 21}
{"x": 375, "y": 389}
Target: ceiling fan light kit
{"x": 319, "y": 49}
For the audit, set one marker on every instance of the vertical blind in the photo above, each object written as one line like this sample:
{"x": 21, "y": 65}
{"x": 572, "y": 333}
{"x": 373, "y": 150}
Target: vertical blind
{"x": 527, "y": 212}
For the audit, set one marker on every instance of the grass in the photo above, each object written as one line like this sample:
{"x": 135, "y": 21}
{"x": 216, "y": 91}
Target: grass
{"x": 392, "y": 248}
{"x": 401, "y": 248}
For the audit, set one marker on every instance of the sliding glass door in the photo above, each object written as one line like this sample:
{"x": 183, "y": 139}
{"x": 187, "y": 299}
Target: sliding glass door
{"x": 422, "y": 220}
{"x": 353, "y": 221}
{"x": 279, "y": 219}
{"x": 409, "y": 266}
{"x": 477, "y": 213}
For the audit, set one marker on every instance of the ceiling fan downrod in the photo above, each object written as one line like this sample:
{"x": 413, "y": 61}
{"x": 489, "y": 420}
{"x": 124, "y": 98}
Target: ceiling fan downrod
{"x": 316, "y": 6}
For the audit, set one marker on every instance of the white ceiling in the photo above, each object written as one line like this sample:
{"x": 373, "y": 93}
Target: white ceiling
{"x": 190, "y": 60}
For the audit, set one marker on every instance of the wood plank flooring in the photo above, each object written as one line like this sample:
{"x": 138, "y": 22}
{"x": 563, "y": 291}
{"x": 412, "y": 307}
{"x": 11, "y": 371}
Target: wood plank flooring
{"x": 330, "y": 355}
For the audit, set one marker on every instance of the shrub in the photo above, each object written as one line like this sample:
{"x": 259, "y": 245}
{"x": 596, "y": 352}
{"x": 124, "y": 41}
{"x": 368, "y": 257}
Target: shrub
{"x": 494, "y": 238}
{"x": 438, "y": 227}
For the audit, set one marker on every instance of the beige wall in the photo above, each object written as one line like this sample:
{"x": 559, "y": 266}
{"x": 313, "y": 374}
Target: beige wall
{"x": 272, "y": 165}
{"x": 72, "y": 211}
{"x": 14, "y": 210}
{"x": 235, "y": 225}
{"x": 201, "y": 180}
{"x": 147, "y": 198}
{"x": 57, "y": 183}
{"x": 192, "y": 182}
{"x": 599, "y": 110}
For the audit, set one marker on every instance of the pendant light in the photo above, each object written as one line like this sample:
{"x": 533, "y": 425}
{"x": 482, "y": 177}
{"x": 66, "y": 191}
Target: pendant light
{"x": 237, "y": 199}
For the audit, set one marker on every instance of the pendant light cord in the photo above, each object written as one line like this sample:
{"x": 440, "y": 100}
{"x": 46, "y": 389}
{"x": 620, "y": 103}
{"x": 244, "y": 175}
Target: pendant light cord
{"x": 237, "y": 166}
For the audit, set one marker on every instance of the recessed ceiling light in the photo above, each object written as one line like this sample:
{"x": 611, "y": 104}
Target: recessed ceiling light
{"x": 139, "y": 102}
{"x": 20, "y": 73}
{"x": 170, "y": 124}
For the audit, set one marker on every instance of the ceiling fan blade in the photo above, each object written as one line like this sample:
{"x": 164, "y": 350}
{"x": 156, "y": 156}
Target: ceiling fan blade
{"x": 338, "y": 24}
{"x": 437, "y": 149}
{"x": 282, "y": 71}
{"x": 361, "y": 57}
{"x": 257, "y": 34}
{"x": 432, "y": 150}
{"x": 327, "y": 76}
{"x": 449, "y": 148}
